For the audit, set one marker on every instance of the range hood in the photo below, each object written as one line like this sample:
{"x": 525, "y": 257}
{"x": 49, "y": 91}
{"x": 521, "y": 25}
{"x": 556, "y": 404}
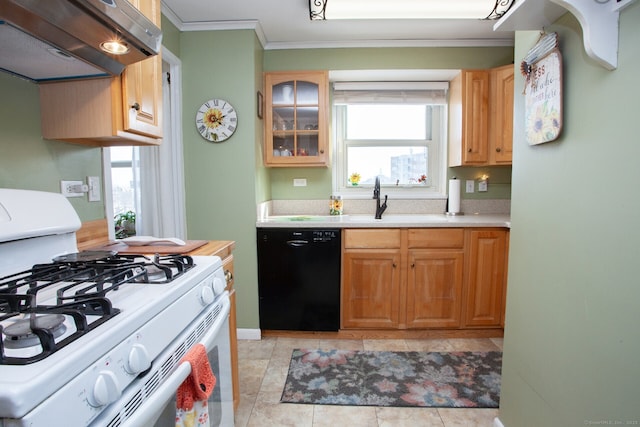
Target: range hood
{"x": 61, "y": 39}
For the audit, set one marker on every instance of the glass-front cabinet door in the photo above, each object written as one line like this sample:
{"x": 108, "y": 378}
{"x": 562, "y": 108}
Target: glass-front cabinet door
{"x": 296, "y": 119}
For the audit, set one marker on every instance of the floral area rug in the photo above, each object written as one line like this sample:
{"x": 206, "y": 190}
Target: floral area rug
{"x": 389, "y": 378}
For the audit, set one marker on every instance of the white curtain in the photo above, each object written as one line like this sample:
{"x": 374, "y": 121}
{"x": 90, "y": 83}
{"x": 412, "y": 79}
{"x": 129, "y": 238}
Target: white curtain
{"x": 162, "y": 200}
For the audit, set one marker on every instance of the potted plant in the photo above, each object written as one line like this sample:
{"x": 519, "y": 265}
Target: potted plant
{"x": 125, "y": 224}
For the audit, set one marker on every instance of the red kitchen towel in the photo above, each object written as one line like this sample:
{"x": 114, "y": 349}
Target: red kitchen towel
{"x": 199, "y": 385}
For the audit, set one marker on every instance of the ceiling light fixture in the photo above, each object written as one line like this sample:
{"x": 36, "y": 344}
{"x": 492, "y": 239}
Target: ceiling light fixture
{"x": 408, "y": 9}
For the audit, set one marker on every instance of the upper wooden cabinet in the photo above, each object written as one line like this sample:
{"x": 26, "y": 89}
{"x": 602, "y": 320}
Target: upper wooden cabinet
{"x": 501, "y": 113}
{"x": 296, "y": 111}
{"x": 122, "y": 110}
{"x": 481, "y": 117}
{"x": 468, "y": 118}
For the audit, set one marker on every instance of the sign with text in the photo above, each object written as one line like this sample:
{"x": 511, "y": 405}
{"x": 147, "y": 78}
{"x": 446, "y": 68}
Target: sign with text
{"x": 543, "y": 99}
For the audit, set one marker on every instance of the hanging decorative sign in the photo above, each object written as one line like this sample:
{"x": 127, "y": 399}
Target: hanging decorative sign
{"x": 542, "y": 68}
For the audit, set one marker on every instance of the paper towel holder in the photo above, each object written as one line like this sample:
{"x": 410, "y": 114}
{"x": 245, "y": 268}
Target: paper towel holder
{"x": 447, "y": 211}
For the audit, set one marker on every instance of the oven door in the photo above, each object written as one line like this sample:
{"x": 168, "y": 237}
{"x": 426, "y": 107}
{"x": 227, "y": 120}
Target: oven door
{"x": 220, "y": 402}
{"x": 150, "y": 401}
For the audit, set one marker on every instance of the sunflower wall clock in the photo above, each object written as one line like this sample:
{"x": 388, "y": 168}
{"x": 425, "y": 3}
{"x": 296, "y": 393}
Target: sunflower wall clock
{"x": 216, "y": 120}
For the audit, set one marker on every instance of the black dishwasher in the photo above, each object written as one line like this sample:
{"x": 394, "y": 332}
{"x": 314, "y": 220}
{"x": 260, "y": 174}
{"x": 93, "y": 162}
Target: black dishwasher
{"x": 299, "y": 279}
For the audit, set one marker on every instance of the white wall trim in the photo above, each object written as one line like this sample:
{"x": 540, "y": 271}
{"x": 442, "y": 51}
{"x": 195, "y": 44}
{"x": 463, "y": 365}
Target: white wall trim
{"x": 497, "y": 422}
{"x": 249, "y": 334}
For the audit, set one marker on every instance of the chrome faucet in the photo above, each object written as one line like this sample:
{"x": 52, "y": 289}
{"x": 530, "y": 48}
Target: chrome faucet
{"x": 376, "y": 195}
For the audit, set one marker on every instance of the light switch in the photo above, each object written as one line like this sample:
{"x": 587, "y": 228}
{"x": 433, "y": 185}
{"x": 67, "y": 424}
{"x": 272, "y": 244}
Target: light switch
{"x": 94, "y": 188}
{"x": 470, "y": 186}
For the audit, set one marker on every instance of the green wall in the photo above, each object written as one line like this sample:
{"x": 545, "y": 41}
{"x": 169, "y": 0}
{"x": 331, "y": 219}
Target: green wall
{"x": 29, "y": 162}
{"x": 571, "y": 341}
{"x": 319, "y": 184}
{"x": 221, "y": 187}
{"x": 170, "y": 36}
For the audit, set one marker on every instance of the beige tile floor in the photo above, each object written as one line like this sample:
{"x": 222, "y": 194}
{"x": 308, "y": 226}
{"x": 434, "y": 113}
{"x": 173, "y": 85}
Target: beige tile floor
{"x": 263, "y": 369}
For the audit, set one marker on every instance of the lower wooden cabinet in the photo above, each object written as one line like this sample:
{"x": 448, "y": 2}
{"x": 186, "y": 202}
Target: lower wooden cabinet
{"x": 370, "y": 291}
{"x": 371, "y": 278}
{"x": 423, "y": 278}
{"x": 434, "y": 288}
{"x": 486, "y": 278}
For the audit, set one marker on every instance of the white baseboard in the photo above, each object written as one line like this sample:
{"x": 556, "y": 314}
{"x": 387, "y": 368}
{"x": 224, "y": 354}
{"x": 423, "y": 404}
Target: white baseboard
{"x": 249, "y": 334}
{"x": 497, "y": 422}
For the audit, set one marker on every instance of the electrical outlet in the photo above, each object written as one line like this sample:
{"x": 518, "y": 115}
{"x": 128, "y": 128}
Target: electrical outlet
{"x": 72, "y": 188}
{"x": 483, "y": 185}
{"x": 94, "y": 188}
{"x": 299, "y": 182}
{"x": 470, "y": 186}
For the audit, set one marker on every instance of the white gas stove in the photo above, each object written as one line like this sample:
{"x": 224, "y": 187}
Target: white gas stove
{"x": 82, "y": 335}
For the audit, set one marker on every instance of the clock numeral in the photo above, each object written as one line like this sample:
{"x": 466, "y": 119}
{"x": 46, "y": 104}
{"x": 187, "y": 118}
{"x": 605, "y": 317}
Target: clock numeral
{"x": 231, "y": 128}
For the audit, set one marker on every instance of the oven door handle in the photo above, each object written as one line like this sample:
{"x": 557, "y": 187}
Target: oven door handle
{"x": 167, "y": 390}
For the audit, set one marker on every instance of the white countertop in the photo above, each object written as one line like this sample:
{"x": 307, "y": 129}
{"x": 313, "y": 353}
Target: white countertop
{"x": 387, "y": 221}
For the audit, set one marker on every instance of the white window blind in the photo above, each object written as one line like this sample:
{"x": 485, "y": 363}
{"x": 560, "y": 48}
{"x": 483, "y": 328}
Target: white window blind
{"x": 433, "y": 93}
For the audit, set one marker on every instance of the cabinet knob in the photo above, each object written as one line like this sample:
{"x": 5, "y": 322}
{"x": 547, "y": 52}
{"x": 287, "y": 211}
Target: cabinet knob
{"x": 468, "y": 150}
{"x": 394, "y": 265}
{"x": 228, "y": 276}
{"x": 321, "y": 151}
{"x": 413, "y": 266}
{"x": 136, "y": 106}
{"x": 498, "y": 150}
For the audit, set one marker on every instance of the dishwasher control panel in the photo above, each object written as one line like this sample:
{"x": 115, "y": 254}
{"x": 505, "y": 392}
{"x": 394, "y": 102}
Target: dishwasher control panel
{"x": 325, "y": 235}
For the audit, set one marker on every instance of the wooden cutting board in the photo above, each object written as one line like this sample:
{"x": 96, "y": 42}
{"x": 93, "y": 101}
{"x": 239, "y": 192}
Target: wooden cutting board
{"x": 123, "y": 248}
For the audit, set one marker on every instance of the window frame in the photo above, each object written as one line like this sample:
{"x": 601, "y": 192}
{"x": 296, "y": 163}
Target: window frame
{"x": 437, "y": 158}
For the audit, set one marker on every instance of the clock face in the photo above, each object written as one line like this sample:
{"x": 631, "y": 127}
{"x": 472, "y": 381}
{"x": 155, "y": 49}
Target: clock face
{"x": 216, "y": 120}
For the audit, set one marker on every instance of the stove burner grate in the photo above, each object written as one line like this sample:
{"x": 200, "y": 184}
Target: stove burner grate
{"x": 81, "y": 285}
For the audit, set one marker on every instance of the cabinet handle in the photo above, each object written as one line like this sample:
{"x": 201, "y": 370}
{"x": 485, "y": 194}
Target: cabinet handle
{"x": 498, "y": 150}
{"x": 136, "y": 106}
{"x": 228, "y": 275}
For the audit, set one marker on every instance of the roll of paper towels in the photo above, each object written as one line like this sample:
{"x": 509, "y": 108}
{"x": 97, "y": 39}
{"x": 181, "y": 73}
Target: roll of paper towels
{"x": 454, "y": 196}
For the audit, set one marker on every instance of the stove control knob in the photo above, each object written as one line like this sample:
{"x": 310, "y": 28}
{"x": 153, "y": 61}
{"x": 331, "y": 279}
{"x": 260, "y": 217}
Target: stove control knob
{"x": 218, "y": 285}
{"x": 206, "y": 295}
{"x": 105, "y": 389}
{"x": 138, "y": 360}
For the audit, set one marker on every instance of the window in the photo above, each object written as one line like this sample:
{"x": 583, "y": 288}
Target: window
{"x": 395, "y": 131}
{"x": 123, "y": 182}
{"x": 125, "y": 191}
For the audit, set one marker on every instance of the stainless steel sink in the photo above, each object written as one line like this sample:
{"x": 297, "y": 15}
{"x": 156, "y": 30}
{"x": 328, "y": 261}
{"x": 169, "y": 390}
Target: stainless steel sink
{"x": 400, "y": 218}
{"x": 304, "y": 218}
